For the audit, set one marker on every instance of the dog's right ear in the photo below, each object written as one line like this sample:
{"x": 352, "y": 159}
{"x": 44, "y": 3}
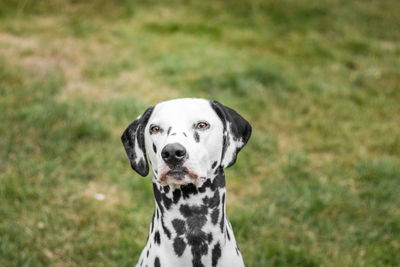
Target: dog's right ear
{"x": 133, "y": 141}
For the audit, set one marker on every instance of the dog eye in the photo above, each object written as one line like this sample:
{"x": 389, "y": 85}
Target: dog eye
{"x": 154, "y": 129}
{"x": 202, "y": 125}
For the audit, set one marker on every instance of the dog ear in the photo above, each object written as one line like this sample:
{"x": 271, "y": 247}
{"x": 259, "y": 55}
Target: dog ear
{"x": 237, "y": 132}
{"x": 133, "y": 141}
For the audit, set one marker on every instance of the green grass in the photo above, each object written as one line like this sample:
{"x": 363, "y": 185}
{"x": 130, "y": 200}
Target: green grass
{"x": 318, "y": 183}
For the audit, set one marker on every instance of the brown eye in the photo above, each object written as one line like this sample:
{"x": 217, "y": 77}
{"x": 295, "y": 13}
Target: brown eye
{"x": 154, "y": 129}
{"x": 202, "y": 125}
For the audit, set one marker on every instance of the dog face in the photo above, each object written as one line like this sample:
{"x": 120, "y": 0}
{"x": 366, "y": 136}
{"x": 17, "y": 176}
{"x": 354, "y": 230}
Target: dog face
{"x": 183, "y": 138}
{"x": 186, "y": 140}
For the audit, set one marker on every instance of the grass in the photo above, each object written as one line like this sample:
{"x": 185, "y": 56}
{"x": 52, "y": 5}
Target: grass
{"x": 317, "y": 184}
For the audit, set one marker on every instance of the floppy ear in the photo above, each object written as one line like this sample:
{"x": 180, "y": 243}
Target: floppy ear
{"x": 237, "y": 132}
{"x": 133, "y": 141}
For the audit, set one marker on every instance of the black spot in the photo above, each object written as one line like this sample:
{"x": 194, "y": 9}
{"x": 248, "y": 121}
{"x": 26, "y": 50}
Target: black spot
{"x": 157, "y": 196}
{"x": 237, "y": 251}
{"x": 179, "y": 226}
{"x": 173, "y": 134}
{"x": 142, "y": 165}
{"x": 188, "y": 190}
{"x": 205, "y": 200}
{"x": 152, "y": 223}
{"x": 214, "y": 164}
{"x": 215, "y": 254}
{"x": 227, "y": 234}
{"x": 225, "y": 144}
{"x": 179, "y": 246}
{"x": 196, "y": 137}
{"x": 201, "y": 189}
{"x": 198, "y": 241}
{"x": 166, "y": 201}
{"x": 205, "y": 185}
{"x": 223, "y": 213}
{"x": 188, "y": 211}
{"x": 166, "y": 231}
{"x": 156, "y": 171}
{"x": 157, "y": 238}
{"x": 209, "y": 237}
{"x": 166, "y": 189}
{"x": 176, "y": 195}
{"x": 219, "y": 180}
{"x": 214, "y": 201}
{"x": 154, "y": 148}
{"x": 196, "y": 222}
{"x": 147, "y": 254}
{"x": 157, "y": 215}
{"x": 214, "y": 216}
{"x": 157, "y": 262}
{"x": 184, "y": 134}
{"x": 197, "y": 262}
{"x": 161, "y": 199}
{"x": 169, "y": 130}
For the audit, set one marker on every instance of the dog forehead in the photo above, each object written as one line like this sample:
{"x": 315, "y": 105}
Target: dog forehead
{"x": 183, "y": 110}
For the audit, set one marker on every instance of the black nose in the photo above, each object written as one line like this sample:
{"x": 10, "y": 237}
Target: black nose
{"x": 173, "y": 154}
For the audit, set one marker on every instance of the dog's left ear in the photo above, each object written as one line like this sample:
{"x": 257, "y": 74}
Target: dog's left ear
{"x": 237, "y": 132}
{"x": 133, "y": 141}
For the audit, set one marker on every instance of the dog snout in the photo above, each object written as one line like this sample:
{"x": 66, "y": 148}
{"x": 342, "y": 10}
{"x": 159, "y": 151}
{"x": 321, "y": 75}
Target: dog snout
{"x": 173, "y": 154}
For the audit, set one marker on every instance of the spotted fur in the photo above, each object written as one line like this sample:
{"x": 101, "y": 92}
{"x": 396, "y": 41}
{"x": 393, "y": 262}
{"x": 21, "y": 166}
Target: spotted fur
{"x": 189, "y": 225}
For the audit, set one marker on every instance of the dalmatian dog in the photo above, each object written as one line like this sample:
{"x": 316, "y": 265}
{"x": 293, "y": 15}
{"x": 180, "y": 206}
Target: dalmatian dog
{"x": 189, "y": 142}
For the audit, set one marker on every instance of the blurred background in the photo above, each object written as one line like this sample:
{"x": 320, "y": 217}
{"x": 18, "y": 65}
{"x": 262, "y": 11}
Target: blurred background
{"x": 318, "y": 183}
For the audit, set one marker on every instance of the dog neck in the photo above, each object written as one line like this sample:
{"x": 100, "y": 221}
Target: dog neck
{"x": 191, "y": 220}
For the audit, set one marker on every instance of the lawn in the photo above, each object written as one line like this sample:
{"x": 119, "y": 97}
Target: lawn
{"x": 317, "y": 185}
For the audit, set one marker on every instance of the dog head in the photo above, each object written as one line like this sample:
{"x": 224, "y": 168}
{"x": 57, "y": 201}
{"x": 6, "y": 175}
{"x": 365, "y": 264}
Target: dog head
{"x": 185, "y": 139}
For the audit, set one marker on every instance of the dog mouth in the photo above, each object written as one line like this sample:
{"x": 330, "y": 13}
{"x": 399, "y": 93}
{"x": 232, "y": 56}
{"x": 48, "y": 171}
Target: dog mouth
{"x": 178, "y": 175}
